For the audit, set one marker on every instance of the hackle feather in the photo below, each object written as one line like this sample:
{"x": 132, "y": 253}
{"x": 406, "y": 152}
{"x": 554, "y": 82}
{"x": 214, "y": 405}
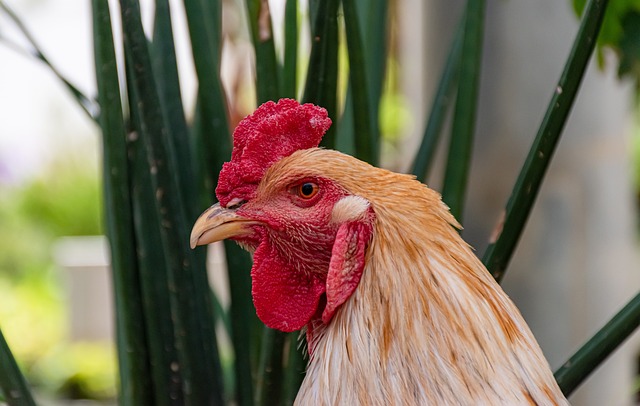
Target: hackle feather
{"x": 427, "y": 325}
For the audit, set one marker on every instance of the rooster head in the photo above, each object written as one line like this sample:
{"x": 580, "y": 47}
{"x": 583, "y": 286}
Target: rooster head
{"x": 279, "y": 198}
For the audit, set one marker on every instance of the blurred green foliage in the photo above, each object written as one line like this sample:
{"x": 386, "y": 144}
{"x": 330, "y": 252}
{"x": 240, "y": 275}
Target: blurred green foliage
{"x": 83, "y": 370}
{"x": 32, "y": 315}
{"x": 621, "y": 33}
{"x": 64, "y": 200}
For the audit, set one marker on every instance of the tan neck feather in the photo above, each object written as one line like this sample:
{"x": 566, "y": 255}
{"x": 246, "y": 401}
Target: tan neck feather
{"x": 427, "y": 324}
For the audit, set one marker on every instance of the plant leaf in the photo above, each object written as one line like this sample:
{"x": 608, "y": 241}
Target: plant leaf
{"x": 131, "y": 333}
{"x": 373, "y": 28}
{"x": 366, "y": 143}
{"x": 199, "y": 362}
{"x": 270, "y": 378}
{"x": 464, "y": 115}
{"x": 441, "y": 102}
{"x": 165, "y": 68}
{"x": 322, "y": 76}
{"x": 245, "y": 326}
{"x": 262, "y": 36}
{"x": 289, "y": 76}
{"x": 509, "y": 228}
{"x": 296, "y": 366}
{"x": 212, "y": 139}
{"x": 581, "y": 364}
{"x": 12, "y": 383}
{"x": 161, "y": 344}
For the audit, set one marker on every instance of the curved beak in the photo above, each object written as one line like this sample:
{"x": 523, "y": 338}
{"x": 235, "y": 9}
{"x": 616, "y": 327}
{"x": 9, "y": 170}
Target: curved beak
{"x": 218, "y": 223}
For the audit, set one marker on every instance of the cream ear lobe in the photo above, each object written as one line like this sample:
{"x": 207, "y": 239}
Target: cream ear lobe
{"x": 349, "y": 208}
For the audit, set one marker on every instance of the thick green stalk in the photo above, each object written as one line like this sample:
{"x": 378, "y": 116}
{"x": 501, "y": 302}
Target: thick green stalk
{"x": 441, "y": 102}
{"x": 199, "y": 362}
{"x": 245, "y": 326}
{"x": 372, "y": 21}
{"x": 12, "y": 383}
{"x": 162, "y": 346}
{"x": 270, "y": 378}
{"x": 509, "y": 228}
{"x": 372, "y": 15}
{"x": 212, "y": 143}
{"x": 314, "y": 10}
{"x": 296, "y": 365}
{"x": 366, "y": 142}
{"x": 464, "y": 116}
{"x": 288, "y": 79}
{"x": 580, "y": 365}
{"x": 165, "y": 68}
{"x": 263, "y": 45}
{"x": 345, "y": 129}
{"x": 161, "y": 343}
{"x": 322, "y": 76}
{"x": 135, "y": 379}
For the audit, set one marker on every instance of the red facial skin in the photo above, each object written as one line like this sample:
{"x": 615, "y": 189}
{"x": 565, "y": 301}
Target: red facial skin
{"x": 293, "y": 247}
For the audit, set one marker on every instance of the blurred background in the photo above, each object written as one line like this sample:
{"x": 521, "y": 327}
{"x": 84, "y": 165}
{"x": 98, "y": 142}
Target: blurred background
{"x": 576, "y": 265}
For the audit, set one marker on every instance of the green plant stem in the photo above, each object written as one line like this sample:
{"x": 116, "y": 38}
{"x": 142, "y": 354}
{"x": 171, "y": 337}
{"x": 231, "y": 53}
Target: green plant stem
{"x": 295, "y": 367}
{"x": 161, "y": 344}
{"x": 135, "y": 379}
{"x": 199, "y": 362}
{"x": 165, "y": 68}
{"x": 509, "y": 228}
{"x": 322, "y": 75}
{"x": 12, "y": 382}
{"x": 270, "y": 379}
{"x": 373, "y": 24}
{"x": 580, "y": 365}
{"x": 154, "y": 273}
{"x": 441, "y": 102}
{"x": 289, "y": 76}
{"x": 212, "y": 141}
{"x": 245, "y": 326}
{"x": 263, "y": 45}
{"x": 372, "y": 15}
{"x": 464, "y": 116}
{"x": 366, "y": 143}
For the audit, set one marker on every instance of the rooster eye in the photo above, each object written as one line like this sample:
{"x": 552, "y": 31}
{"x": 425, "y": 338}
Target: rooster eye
{"x": 307, "y": 190}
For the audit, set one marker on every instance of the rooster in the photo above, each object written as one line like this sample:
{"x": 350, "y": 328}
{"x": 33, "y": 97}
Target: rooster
{"x": 397, "y": 308}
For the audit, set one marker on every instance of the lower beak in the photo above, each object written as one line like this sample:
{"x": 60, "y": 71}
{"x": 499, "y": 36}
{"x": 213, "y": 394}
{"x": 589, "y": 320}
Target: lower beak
{"x": 218, "y": 223}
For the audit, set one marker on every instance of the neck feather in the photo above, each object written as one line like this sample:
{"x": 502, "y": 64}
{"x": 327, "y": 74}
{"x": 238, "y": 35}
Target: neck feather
{"x": 427, "y": 324}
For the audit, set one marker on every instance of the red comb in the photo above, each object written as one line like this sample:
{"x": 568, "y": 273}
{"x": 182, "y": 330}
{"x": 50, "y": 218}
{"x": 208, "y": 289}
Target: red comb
{"x": 271, "y": 133}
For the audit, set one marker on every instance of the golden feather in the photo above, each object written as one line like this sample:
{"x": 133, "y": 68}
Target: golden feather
{"x": 427, "y": 323}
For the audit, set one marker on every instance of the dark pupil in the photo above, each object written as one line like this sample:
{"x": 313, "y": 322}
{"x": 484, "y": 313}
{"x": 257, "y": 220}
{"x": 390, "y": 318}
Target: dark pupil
{"x": 306, "y": 189}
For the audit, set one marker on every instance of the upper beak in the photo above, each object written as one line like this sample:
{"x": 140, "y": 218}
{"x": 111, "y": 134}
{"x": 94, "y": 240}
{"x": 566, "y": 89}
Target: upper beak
{"x": 218, "y": 223}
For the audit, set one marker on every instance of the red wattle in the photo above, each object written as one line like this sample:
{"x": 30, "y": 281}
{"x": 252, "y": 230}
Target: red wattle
{"x": 346, "y": 266}
{"x": 285, "y": 299}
